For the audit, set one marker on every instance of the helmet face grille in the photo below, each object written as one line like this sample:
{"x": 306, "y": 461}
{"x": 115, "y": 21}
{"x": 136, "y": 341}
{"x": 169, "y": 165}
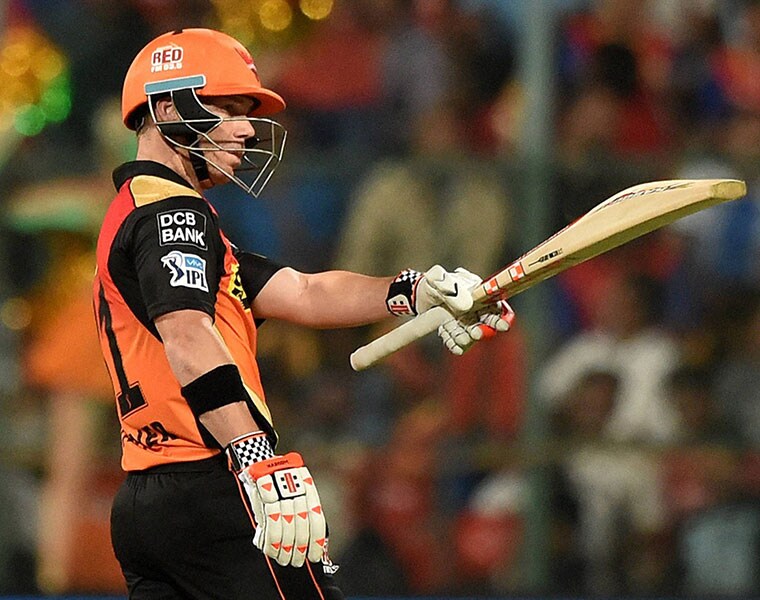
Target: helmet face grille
{"x": 262, "y": 155}
{"x": 259, "y": 159}
{"x": 258, "y": 163}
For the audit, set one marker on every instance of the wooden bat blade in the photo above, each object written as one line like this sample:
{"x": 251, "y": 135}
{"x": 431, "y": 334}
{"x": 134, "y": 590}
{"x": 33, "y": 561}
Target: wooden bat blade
{"x": 621, "y": 218}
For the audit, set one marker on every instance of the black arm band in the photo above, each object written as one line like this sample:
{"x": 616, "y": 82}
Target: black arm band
{"x": 219, "y": 387}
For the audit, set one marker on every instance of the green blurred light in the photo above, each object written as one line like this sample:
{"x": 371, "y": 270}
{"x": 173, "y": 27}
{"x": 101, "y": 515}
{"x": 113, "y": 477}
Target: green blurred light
{"x": 30, "y": 120}
{"x": 56, "y": 99}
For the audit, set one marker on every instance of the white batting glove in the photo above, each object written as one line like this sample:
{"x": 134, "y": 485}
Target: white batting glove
{"x": 412, "y": 292}
{"x": 459, "y": 334}
{"x": 290, "y": 524}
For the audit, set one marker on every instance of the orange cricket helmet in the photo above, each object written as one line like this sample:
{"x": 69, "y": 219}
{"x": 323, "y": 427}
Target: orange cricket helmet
{"x": 210, "y": 62}
{"x": 188, "y": 65}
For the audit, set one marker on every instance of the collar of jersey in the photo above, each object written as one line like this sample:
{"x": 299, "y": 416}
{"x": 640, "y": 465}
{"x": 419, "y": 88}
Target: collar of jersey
{"x": 134, "y": 168}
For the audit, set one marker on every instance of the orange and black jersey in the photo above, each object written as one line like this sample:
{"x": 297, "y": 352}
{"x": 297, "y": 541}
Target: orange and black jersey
{"x": 160, "y": 250}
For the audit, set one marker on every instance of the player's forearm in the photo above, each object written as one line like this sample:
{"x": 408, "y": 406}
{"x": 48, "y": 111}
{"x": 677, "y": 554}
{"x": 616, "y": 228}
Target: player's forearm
{"x": 324, "y": 300}
{"x": 345, "y": 299}
{"x": 229, "y": 422}
{"x": 210, "y": 381}
{"x": 191, "y": 344}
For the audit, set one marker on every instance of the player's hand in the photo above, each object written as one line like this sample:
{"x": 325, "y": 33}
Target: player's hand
{"x": 413, "y": 292}
{"x": 459, "y": 334}
{"x": 450, "y": 289}
{"x": 290, "y": 524}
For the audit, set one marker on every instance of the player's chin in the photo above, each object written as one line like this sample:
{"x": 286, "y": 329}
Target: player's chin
{"x": 223, "y": 172}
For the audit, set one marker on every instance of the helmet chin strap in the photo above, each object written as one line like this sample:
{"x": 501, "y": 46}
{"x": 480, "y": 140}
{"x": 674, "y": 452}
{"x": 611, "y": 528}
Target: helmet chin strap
{"x": 200, "y": 166}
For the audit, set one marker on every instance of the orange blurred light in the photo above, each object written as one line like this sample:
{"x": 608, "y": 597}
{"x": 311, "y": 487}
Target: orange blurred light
{"x": 15, "y": 59}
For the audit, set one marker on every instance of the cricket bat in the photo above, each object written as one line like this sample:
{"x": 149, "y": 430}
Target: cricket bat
{"x": 619, "y": 219}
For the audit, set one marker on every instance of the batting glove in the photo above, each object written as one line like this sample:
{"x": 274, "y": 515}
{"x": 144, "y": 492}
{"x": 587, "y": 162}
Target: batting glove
{"x": 412, "y": 292}
{"x": 461, "y": 333}
{"x": 290, "y": 524}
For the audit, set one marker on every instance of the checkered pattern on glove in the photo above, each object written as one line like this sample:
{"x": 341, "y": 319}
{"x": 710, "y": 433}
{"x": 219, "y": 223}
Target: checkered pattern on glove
{"x": 401, "y": 293}
{"x": 247, "y": 449}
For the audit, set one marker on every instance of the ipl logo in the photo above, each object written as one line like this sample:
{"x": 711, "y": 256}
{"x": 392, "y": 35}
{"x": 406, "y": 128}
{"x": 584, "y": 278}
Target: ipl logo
{"x": 187, "y": 270}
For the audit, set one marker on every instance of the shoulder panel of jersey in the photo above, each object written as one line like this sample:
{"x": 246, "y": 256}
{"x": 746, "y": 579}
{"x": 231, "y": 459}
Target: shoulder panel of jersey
{"x": 161, "y": 249}
{"x": 147, "y": 189}
{"x": 170, "y": 245}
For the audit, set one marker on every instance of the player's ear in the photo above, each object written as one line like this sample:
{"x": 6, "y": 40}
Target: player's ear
{"x": 165, "y": 110}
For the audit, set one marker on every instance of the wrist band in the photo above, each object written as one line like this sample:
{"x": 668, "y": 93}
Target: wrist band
{"x": 219, "y": 387}
{"x": 248, "y": 449}
{"x": 401, "y": 293}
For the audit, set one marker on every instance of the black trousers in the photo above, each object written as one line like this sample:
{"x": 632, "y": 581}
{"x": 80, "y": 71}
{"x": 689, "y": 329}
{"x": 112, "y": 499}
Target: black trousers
{"x": 182, "y": 532}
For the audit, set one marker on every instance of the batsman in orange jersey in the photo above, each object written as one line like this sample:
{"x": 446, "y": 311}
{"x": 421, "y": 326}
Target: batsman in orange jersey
{"x": 208, "y": 508}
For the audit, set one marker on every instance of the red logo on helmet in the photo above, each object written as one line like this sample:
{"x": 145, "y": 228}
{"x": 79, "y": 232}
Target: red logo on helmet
{"x": 166, "y": 58}
{"x": 245, "y": 55}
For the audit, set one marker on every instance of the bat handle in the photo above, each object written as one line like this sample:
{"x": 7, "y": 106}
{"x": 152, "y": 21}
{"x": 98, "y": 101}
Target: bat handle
{"x": 397, "y": 338}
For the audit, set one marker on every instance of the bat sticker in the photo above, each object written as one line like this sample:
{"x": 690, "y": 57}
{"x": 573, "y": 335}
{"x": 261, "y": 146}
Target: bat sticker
{"x": 545, "y": 257}
{"x": 516, "y": 272}
{"x": 491, "y": 286}
{"x": 642, "y": 192}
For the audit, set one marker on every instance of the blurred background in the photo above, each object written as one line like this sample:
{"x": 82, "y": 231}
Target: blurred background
{"x": 608, "y": 446}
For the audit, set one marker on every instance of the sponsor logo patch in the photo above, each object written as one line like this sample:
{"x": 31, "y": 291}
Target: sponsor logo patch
{"x": 399, "y": 305}
{"x": 236, "y": 288}
{"x": 166, "y": 58}
{"x": 289, "y": 483}
{"x": 187, "y": 270}
{"x": 246, "y": 56}
{"x": 328, "y": 566}
{"x": 182, "y": 226}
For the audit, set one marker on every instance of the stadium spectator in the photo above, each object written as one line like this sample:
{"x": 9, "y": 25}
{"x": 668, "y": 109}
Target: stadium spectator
{"x": 627, "y": 341}
{"x": 615, "y": 490}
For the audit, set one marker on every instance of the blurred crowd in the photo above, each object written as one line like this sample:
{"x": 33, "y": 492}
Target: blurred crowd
{"x": 619, "y": 454}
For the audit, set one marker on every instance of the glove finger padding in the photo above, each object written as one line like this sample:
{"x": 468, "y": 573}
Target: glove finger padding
{"x": 495, "y": 319}
{"x": 272, "y": 533}
{"x": 288, "y": 532}
{"x": 302, "y": 531}
{"x": 316, "y": 519}
{"x": 259, "y": 513}
{"x": 290, "y": 525}
{"x": 459, "y": 334}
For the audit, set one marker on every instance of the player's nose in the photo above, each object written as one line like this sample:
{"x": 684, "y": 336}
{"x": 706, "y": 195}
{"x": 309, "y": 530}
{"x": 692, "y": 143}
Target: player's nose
{"x": 245, "y": 130}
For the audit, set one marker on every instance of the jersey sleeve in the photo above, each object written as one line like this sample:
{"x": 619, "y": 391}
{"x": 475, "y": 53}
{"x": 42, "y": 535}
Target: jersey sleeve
{"x": 255, "y": 271}
{"x": 178, "y": 256}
